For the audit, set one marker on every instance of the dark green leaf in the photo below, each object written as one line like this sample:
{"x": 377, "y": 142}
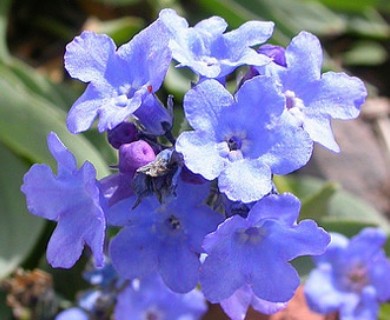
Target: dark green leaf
{"x": 342, "y": 210}
{"x": 121, "y": 30}
{"x": 316, "y": 205}
{"x": 370, "y": 24}
{"x": 26, "y": 120}
{"x": 19, "y": 230}
{"x": 4, "y": 8}
{"x": 384, "y": 312}
{"x": 37, "y": 84}
{"x": 365, "y": 53}
{"x": 5, "y": 311}
{"x": 350, "y": 5}
{"x": 118, "y": 2}
{"x": 290, "y": 16}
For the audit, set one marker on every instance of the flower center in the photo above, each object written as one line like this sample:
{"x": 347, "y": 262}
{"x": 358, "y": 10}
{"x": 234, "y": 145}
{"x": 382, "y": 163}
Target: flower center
{"x": 295, "y": 106}
{"x": 125, "y": 93}
{"x": 234, "y": 143}
{"x": 209, "y": 61}
{"x": 153, "y": 314}
{"x": 356, "y": 278}
{"x": 252, "y": 235}
{"x": 173, "y": 222}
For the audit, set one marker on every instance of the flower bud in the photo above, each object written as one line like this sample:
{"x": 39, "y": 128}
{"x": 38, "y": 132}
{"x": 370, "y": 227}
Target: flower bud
{"x": 134, "y": 155}
{"x": 274, "y": 52}
{"x": 124, "y": 132}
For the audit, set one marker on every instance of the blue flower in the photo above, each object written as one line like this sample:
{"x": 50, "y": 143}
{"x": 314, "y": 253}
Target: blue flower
{"x": 119, "y": 80}
{"x": 164, "y": 238}
{"x": 314, "y": 99}
{"x": 352, "y": 277}
{"x": 210, "y": 52}
{"x": 151, "y": 299}
{"x": 72, "y": 314}
{"x": 236, "y": 306}
{"x": 72, "y": 199}
{"x": 241, "y": 140}
{"x": 255, "y": 251}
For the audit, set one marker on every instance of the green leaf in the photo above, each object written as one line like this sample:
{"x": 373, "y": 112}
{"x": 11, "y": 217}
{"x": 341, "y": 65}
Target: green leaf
{"x": 384, "y": 312}
{"x": 315, "y": 206}
{"x": 19, "y": 230}
{"x": 343, "y": 212}
{"x": 365, "y": 53}
{"x": 369, "y": 23}
{"x": 118, "y": 2}
{"x": 5, "y": 6}
{"x": 350, "y": 6}
{"x": 5, "y": 311}
{"x": 178, "y": 81}
{"x": 121, "y": 30}
{"x": 38, "y": 84}
{"x": 290, "y": 16}
{"x": 26, "y": 119}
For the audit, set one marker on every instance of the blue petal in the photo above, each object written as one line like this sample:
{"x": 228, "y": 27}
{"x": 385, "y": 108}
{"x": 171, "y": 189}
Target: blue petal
{"x": 366, "y": 244}
{"x": 178, "y": 266}
{"x": 378, "y": 273}
{"x": 123, "y": 214}
{"x": 205, "y": 103}
{"x": 65, "y": 159}
{"x": 245, "y": 180}
{"x": 320, "y": 131}
{"x": 111, "y": 115}
{"x": 86, "y": 57}
{"x": 290, "y": 150}
{"x": 213, "y": 26}
{"x": 85, "y": 109}
{"x": 267, "y": 307}
{"x": 72, "y": 314}
{"x": 148, "y": 56}
{"x": 304, "y": 62}
{"x": 259, "y": 98}
{"x": 43, "y": 193}
{"x": 200, "y": 154}
{"x": 335, "y": 250}
{"x": 272, "y": 279}
{"x": 306, "y": 238}
{"x": 219, "y": 277}
{"x": 284, "y": 208}
{"x": 134, "y": 252}
{"x": 172, "y": 20}
{"x": 220, "y": 273}
{"x": 337, "y": 95}
{"x": 249, "y": 34}
{"x": 367, "y": 309}
{"x": 79, "y": 223}
{"x": 236, "y": 306}
{"x": 321, "y": 295}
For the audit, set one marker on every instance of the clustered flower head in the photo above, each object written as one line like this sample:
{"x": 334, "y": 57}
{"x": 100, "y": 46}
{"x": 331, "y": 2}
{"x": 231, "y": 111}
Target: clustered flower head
{"x": 197, "y": 216}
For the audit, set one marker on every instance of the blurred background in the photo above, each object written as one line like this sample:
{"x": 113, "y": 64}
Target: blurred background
{"x": 36, "y": 93}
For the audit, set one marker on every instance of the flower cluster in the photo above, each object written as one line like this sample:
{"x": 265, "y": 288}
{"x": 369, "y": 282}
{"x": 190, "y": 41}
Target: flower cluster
{"x": 199, "y": 210}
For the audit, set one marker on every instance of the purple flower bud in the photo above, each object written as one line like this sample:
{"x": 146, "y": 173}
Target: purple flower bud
{"x": 124, "y": 132}
{"x": 134, "y": 155}
{"x": 274, "y": 52}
